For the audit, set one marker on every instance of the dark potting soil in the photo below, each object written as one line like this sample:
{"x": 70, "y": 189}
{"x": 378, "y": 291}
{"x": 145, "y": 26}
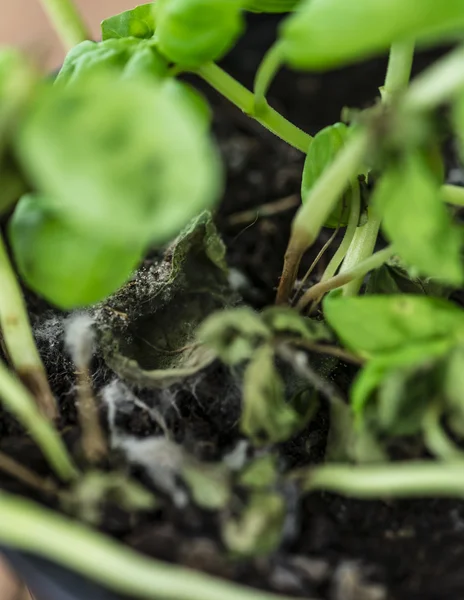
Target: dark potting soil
{"x": 334, "y": 548}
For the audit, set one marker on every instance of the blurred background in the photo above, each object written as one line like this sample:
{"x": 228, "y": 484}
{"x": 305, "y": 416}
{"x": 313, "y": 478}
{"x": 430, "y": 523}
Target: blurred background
{"x": 24, "y": 24}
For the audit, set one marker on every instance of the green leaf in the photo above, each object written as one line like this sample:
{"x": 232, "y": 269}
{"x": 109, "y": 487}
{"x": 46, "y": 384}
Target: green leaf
{"x": 415, "y": 219}
{"x": 324, "y": 34}
{"x": 378, "y": 369}
{"x": 270, "y": 6}
{"x": 195, "y": 101}
{"x": 325, "y": 146}
{"x": 259, "y": 528}
{"x": 234, "y": 334}
{"x": 284, "y": 321}
{"x": 266, "y": 417}
{"x": 192, "y": 32}
{"x": 138, "y": 22}
{"x": 209, "y": 484}
{"x": 371, "y": 325}
{"x": 121, "y": 162}
{"x": 393, "y": 278}
{"x": 128, "y": 57}
{"x": 66, "y": 266}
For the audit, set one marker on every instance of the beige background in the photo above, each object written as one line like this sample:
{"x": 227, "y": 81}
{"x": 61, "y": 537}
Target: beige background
{"x": 23, "y": 23}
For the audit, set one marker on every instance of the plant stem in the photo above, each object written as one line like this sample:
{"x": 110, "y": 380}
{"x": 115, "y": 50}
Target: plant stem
{"x": 267, "y": 70}
{"x": 452, "y": 194}
{"x": 361, "y": 248}
{"x": 236, "y": 93}
{"x": 67, "y": 21}
{"x": 435, "y": 437}
{"x": 398, "y": 71}
{"x": 439, "y": 83}
{"x": 18, "y": 401}
{"x": 18, "y": 339}
{"x": 350, "y": 231}
{"x": 26, "y": 526}
{"x": 313, "y": 213}
{"x": 357, "y": 271}
{"x": 397, "y": 480}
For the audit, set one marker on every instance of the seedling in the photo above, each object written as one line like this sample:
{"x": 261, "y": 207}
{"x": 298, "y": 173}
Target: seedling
{"x": 114, "y": 157}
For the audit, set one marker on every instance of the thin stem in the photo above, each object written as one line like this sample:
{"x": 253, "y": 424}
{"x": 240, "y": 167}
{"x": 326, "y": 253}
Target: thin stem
{"x": 314, "y": 212}
{"x": 395, "y": 480}
{"x": 452, "y": 194}
{"x": 399, "y": 70}
{"x": 353, "y": 221}
{"x": 93, "y": 440}
{"x": 438, "y": 84}
{"x": 20, "y": 403}
{"x": 26, "y": 526}
{"x": 362, "y": 247}
{"x": 267, "y": 70}
{"x": 18, "y": 471}
{"x": 435, "y": 437}
{"x": 360, "y": 270}
{"x": 67, "y": 21}
{"x": 236, "y": 93}
{"x": 18, "y": 339}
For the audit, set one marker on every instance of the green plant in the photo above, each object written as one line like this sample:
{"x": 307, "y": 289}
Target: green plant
{"x": 114, "y": 157}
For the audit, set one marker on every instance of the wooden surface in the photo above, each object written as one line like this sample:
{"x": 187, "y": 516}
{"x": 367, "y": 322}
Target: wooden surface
{"x": 24, "y": 24}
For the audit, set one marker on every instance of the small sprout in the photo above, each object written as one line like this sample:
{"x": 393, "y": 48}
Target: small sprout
{"x": 209, "y": 484}
{"x": 138, "y": 22}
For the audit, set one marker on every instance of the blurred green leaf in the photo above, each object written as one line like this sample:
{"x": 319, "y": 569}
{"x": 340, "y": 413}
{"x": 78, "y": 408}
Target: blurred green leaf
{"x": 454, "y": 387}
{"x": 138, "y": 22}
{"x": 415, "y": 219}
{"x": 17, "y": 86}
{"x": 259, "y": 473}
{"x": 195, "y": 101}
{"x": 270, "y": 6}
{"x": 66, "y": 266}
{"x": 126, "y": 163}
{"x": 284, "y": 321}
{"x": 325, "y": 146}
{"x": 193, "y": 32}
{"x": 323, "y": 34}
{"x": 266, "y": 416}
{"x": 413, "y": 355}
{"x": 209, "y": 484}
{"x": 258, "y": 529}
{"x": 371, "y": 325}
{"x": 234, "y": 334}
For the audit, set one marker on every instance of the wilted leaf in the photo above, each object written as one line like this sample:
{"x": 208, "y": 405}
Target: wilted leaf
{"x": 266, "y": 416}
{"x": 416, "y": 220}
{"x": 258, "y": 530}
{"x": 393, "y": 279}
{"x": 371, "y": 325}
{"x": 148, "y": 329}
{"x": 138, "y": 22}
{"x": 289, "y": 322}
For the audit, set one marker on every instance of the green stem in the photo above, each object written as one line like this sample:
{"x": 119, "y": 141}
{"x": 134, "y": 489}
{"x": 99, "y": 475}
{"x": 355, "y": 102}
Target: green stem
{"x": 267, "y": 70}
{"x": 18, "y": 401}
{"x": 236, "y": 93}
{"x": 438, "y": 84}
{"x": 398, "y": 71}
{"x": 435, "y": 437}
{"x": 67, "y": 21}
{"x": 28, "y": 527}
{"x": 452, "y": 194}
{"x": 18, "y": 339}
{"x": 397, "y": 480}
{"x": 350, "y": 231}
{"x": 361, "y": 248}
{"x": 358, "y": 271}
{"x": 313, "y": 213}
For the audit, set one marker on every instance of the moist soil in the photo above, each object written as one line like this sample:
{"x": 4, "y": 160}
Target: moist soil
{"x": 334, "y": 548}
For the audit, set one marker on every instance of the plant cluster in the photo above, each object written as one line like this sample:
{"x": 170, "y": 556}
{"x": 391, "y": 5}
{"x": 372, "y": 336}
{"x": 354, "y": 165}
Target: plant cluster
{"x": 114, "y": 156}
